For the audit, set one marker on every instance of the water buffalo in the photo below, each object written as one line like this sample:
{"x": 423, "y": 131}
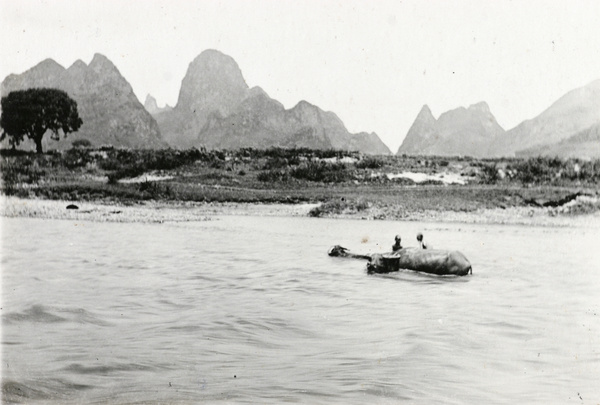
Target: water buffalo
{"x": 433, "y": 261}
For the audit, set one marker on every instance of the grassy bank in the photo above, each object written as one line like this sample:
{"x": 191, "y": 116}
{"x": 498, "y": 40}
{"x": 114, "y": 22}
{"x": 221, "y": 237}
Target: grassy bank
{"x": 342, "y": 183}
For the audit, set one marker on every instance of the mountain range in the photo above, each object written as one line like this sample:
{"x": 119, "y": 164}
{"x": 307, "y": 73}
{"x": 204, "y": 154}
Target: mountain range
{"x": 462, "y": 131}
{"x": 568, "y": 128}
{"x": 217, "y": 109}
{"x": 110, "y": 111}
{"x": 575, "y": 113}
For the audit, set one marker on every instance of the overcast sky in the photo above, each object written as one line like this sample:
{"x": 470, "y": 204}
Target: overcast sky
{"x": 373, "y": 62}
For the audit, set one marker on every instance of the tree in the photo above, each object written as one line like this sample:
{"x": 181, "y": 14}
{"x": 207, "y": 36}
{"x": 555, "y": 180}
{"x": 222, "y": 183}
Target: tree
{"x": 32, "y": 112}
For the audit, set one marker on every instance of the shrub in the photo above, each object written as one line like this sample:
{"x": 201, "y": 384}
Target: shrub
{"x": 588, "y": 171}
{"x": 75, "y": 158}
{"x": 489, "y": 173}
{"x": 270, "y": 176}
{"x": 81, "y": 143}
{"x": 370, "y": 162}
{"x": 131, "y": 163}
{"x": 25, "y": 170}
{"x": 277, "y": 163}
{"x": 538, "y": 169}
{"x": 321, "y": 172}
{"x": 155, "y": 190}
{"x": 431, "y": 182}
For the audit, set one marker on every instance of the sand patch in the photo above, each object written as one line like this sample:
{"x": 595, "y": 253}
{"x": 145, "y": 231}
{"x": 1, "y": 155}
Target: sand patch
{"x": 445, "y": 177}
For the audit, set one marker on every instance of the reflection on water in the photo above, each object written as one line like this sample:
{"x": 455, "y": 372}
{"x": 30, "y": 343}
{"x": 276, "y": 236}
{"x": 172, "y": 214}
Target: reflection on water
{"x": 252, "y": 310}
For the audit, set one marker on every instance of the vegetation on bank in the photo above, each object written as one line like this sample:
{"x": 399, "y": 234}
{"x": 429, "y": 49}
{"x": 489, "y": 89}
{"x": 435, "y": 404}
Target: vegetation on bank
{"x": 33, "y": 112}
{"x": 541, "y": 170}
{"x": 342, "y": 181}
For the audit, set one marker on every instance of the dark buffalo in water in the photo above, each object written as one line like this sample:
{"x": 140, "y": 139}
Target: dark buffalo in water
{"x": 433, "y": 261}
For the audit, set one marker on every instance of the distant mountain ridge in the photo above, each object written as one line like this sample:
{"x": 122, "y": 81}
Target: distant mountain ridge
{"x": 260, "y": 121}
{"x": 567, "y": 128}
{"x": 152, "y": 107}
{"x": 584, "y": 145}
{"x": 216, "y": 109}
{"x": 110, "y": 111}
{"x": 462, "y": 131}
{"x": 576, "y": 111}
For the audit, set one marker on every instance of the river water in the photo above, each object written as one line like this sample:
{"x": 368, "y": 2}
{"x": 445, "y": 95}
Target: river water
{"x": 252, "y": 310}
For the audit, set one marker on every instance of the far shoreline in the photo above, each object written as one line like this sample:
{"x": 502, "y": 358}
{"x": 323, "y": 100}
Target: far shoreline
{"x": 159, "y": 212}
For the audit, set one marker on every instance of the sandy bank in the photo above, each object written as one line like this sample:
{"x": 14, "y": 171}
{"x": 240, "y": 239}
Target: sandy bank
{"x": 186, "y": 211}
{"x": 147, "y": 212}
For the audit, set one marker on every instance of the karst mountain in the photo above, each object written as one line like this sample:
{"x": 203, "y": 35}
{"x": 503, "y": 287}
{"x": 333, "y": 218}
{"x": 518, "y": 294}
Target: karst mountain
{"x": 218, "y": 110}
{"x": 215, "y": 109}
{"x": 462, "y": 131}
{"x": 575, "y": 112}
{"x": 568, "y": 128}
{"x": 111, "y": 113}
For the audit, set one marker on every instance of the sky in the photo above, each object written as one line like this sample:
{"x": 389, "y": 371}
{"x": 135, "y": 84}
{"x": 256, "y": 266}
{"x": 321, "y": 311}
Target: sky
{"x": 374, "y": 63}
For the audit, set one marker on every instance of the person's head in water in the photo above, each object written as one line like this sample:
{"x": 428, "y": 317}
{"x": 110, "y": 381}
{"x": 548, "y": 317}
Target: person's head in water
{"x": 397, "y": 238}
{"x": 397, "y": 245}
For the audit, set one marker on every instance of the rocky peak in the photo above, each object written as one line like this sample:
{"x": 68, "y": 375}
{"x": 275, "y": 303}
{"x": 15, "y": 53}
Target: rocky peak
{"x": 107, "y": 72}
{"x": 214, "y": 81}
{"x": 100, "y": 62}
{"x": 451, "y": 115}
{"x": 260, "y": 102}
{"x": 44, "y": 74}
{"x": 311, "y": 113}
{"x": 425, "y": 111}
{"x": 257, "y": 91}
{"x": 476, "y": 114}
{"x": 303, "y": 107}
{"x": 150, "y": 104}
{"x": 481, "y": 107}
{"x": 306, "y": 113}
{"x": 77, "y": 65}
{"x": 420, "y": 132}
{"x": 48, "y": 66}
{"x": 425, "y": 116}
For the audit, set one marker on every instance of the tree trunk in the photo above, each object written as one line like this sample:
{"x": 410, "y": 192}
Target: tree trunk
{"x": 38, "y": 144}
{"x": 37, "y": 137}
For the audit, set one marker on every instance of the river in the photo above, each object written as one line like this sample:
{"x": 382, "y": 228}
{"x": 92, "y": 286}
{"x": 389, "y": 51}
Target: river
{"x": 252, "y": 310}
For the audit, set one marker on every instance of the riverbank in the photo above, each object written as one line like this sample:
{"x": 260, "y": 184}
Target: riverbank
{"x": 158, "y": 212}
{"x": 147, "y": 211}
{"x": 123, "y": 185}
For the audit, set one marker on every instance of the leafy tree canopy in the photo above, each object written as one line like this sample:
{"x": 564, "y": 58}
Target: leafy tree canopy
{"x": 33, "y": 112}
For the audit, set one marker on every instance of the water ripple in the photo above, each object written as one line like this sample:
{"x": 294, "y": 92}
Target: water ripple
{"x": 43, "y": 314}
{"x": 213, "y": 313}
